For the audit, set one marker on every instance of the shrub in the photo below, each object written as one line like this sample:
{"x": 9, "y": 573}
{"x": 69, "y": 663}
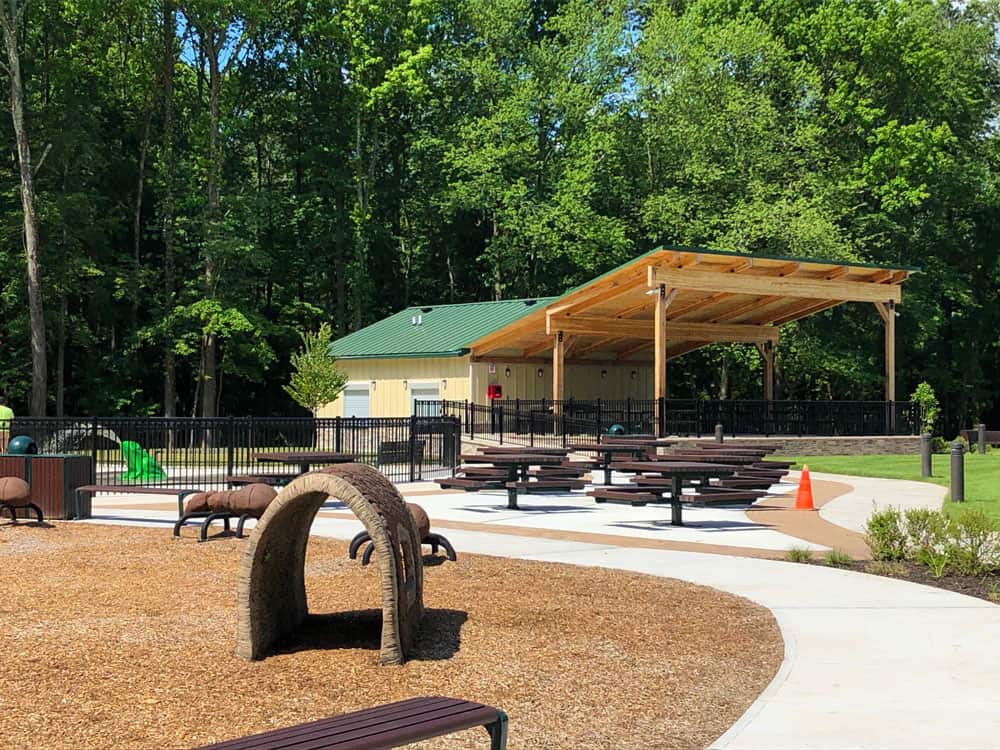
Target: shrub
{"x": 939, "y": 445}
{"x": 886, "y": 535}
{"x": 926, "y": 532}
{"x": 973, "y": 545}
{"x": 799, "y": 555}
{"x": 836, "y": 558}
{"x": 936, "y": 562}
{"x": 929, "y": 407}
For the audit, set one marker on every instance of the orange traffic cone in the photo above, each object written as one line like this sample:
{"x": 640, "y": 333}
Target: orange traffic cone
{"x": 804, "y": 498}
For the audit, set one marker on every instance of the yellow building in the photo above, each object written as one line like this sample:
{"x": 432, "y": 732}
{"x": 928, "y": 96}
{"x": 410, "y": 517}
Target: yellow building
{"x": 423, "y": 353}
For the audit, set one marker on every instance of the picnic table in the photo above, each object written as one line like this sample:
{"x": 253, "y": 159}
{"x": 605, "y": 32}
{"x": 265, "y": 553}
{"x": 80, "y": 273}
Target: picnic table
{"x": 304, "y": 459}
{"x": 519, "y": 450}
{"x": 517, "y": 465}
{"x": 731, "y": 459}
{"x": 608, "y": 451}
{"x": 677, "y": 473}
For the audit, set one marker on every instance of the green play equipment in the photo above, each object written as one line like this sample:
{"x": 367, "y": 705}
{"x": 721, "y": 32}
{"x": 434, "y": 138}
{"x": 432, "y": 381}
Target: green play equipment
{"x": 141, "y": 466}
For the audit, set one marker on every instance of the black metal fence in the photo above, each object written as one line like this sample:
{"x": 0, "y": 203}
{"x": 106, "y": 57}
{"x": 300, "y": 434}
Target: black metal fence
{"x": 200, "y": 453}
{"x": 525, "y": 421}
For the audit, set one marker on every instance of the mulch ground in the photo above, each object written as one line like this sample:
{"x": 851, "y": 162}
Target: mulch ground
{"x": 120, "y": 637}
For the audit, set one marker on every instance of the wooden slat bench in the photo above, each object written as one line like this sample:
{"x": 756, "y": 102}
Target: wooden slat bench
{"x": 392, "y": 725}
{"x": 463, "y": 483}
{"x": 553, "y": 484}
{"x": 624, "y": 495}
{"x": 130, "y": 489}
{"x": 274, "y": 480}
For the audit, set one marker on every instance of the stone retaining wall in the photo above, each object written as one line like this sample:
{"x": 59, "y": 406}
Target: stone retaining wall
{"x": 829, "y": 446}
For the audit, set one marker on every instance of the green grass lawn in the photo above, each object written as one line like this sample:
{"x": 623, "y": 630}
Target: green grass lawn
{"x": 982, "y": 473}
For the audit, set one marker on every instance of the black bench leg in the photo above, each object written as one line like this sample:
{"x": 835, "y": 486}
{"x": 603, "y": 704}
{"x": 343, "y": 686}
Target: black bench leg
{"x": 367, "y": 556}
{"x": 360, "y": 538}
{"x": 436, "y": 539}
{"x": 10, "y": 509}
{"x": 498, "y": 732}
{"x": 676, "y": 495}
{"x": 37, "y": 511}
{"x": 208, "y": 522}
{"x": 183, "y": 520}
{"x": 242, "y": 523}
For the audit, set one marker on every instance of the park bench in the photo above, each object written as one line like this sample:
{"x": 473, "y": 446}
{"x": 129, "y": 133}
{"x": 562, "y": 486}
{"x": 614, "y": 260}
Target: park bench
{"x": 128, "y": 489}
{"x": 392, "y": 725}
{"x": 399, "y": 452}
{"x": 972, "y": 437}
{"x": 550, "y": 484}
{"x": 274, "y": 480}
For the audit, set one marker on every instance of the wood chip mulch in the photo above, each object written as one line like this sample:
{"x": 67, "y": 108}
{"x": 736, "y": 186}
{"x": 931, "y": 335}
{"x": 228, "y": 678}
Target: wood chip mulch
{"x": 121, "y": 637}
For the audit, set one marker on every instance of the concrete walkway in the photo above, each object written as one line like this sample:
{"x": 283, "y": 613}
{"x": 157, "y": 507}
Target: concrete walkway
{"x": 870, "y": 662}
{"x": 867, "y": 495}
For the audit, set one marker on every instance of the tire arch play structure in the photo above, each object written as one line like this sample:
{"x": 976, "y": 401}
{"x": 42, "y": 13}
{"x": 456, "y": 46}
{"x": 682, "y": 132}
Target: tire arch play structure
{"x": 271, "y": 592}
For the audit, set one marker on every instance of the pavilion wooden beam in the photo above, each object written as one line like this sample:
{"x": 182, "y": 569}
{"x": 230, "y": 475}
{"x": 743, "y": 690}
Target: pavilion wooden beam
{"x": 680, "y": 311}
{"x": 602, "y": 291}
{"x": 801, "y": 311}
{"x": 819, "y": 289}
{"x": 685, "y": 348}
{"x": 601, "y": 344}
{"x": 640, "y": 329}
{"x": 633, "y": 350}
{"x": 542, "y": 346}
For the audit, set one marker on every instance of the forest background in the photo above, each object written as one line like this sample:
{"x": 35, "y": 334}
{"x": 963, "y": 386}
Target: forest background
{"x": 210, "y": 178}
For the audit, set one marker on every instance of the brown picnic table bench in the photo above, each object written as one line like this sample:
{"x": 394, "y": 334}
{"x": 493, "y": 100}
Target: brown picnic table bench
{"x": 512, "y": 471}
{"x": 392, "y": 725}
{"x": 304, "y": 460}
{"x": 610, "y": 451}
{"x": 678, "y": 473}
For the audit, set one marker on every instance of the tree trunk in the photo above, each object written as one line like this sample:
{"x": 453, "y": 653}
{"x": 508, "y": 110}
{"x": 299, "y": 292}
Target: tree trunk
{"x": 61, "y": 359}
{"x": 137, "y": 217}
{"x": 211, "y": 344}
{"x": 169, "y": 359}
{"x": 36, "y": 310}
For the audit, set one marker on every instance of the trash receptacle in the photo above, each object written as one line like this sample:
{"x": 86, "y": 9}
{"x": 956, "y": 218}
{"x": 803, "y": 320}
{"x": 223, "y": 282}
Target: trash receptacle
{"x": 22, "y": 445}
{"x": 616, "y": 429}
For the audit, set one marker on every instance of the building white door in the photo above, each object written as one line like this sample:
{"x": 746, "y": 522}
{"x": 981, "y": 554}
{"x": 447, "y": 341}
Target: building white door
{"x": 357, "y": 402}
{"x": 424, "y": 393}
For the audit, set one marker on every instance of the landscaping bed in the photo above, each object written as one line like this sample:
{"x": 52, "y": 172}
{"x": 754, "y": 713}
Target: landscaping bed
{"x": 122, "y": 637}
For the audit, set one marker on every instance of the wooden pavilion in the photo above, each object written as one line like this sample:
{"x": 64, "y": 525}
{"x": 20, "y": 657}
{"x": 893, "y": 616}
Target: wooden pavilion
{"x": 671, "y": 301}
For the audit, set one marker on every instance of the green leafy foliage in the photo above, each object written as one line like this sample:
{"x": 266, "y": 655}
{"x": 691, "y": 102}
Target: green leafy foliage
{"x": 886, "y": 535}
{"x": 381, "y": 153}
{"x": 929, "y": 407}
{"x": 315, "y": 379}
{"x": 798, "y": 555}
{"x": 836, "y": 558}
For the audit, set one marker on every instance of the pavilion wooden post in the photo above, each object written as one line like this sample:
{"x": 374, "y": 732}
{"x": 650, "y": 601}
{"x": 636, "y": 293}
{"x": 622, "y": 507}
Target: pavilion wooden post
{"x": 887, "y": 310}
{"x": 558, "y": 372}
{"x": 660, "y": 359}
{"x": 767, "y": 356}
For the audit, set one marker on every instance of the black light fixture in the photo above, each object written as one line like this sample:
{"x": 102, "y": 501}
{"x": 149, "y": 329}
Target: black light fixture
{"x": 506, "y": 372}
{"x": 604, "y": 373}
{"x": 540, "y": 372}
{"x": 633, "y": 374}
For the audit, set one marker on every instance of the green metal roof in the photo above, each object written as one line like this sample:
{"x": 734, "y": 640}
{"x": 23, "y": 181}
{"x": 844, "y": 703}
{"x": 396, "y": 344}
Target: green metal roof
{"x": 433, "y": 330}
